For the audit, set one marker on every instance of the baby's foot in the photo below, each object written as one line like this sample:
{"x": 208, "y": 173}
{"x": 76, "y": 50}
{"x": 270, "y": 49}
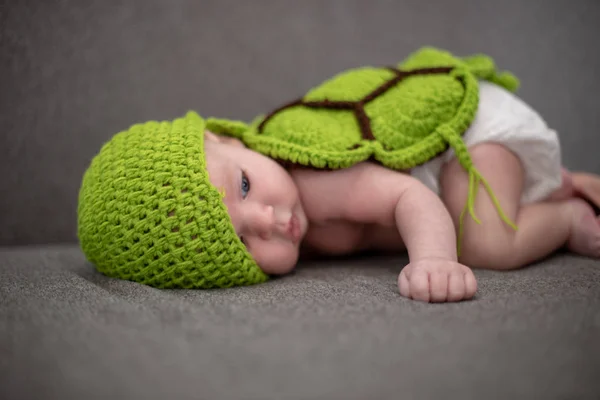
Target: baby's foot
{"x": 587, "y": 186}
{"x": 585, "y": 230}
{"x": 566, "y": 189}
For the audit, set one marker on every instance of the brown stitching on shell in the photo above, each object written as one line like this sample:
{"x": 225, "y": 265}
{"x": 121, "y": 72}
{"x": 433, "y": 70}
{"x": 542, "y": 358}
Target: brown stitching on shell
{"x": 382, "y": 88}
{"x": 357, "y": 107}
{"x": 336, "y": 105}
{"x": 364, "y": 121}
{"x": 272, "y": 113}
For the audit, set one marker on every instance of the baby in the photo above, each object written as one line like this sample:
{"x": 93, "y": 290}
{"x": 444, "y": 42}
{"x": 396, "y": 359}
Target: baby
{"x": 279, "y": 214}
{"x": 282, "y": 209}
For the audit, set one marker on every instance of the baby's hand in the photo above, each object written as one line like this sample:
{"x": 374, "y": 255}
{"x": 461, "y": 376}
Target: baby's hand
{"x": 437, "y": 280}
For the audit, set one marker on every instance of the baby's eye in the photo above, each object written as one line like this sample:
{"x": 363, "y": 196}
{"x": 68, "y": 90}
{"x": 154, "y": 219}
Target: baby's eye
{"x": 242, "y": 240}
{"x": 245, "y": 185}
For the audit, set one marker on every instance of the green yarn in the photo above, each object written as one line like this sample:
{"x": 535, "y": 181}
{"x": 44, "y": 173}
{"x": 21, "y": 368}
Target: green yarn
{"x": 148, "y": 213}
{"x": 400, "y": 117}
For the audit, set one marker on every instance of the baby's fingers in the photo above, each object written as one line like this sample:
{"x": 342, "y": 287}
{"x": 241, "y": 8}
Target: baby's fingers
{"x": 456, "y": 286}
{"x": 419, "y": 285}
{"x": 403, "y": 284}
{"x": 438, "y": 284}
{"x": 470, "y": 284}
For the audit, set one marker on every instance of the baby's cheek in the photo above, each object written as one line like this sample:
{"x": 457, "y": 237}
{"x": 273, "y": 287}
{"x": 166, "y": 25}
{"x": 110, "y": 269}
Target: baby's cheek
{"x": 275, "y": 258}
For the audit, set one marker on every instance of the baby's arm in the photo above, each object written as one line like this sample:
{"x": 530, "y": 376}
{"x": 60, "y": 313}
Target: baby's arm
{"x": 422, "y": 220}
{"x": 372, "y": 195}
{"x": 426, "y": 227}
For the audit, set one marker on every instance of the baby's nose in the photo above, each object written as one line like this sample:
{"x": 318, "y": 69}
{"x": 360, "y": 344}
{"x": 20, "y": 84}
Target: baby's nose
{"x": 262, "y": 221}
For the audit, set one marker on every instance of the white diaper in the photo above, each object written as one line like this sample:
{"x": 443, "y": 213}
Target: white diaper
{"x": 504, "y": 118}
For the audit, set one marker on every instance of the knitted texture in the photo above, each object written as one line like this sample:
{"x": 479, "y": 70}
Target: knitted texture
{"x": 400, "y": 116}
{"x": 148, "y": 213}
{"x": 357, "y": 115}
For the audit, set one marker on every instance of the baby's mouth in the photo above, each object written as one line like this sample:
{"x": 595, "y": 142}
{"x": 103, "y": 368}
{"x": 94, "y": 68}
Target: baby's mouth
{"x": 293, "y": 230}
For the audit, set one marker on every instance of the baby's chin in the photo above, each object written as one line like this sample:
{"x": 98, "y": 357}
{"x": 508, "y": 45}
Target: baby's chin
{"x": 280, "y": 268}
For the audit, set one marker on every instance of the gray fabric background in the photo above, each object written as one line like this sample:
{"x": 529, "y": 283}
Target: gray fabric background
{"x": 330, "y": 331}
{"x": 73, "y": 73}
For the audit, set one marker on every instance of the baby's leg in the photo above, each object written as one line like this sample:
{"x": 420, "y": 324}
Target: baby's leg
{"x": 543, "y": 227}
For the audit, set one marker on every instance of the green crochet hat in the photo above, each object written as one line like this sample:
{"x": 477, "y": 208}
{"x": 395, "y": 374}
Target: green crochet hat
{"x": 148, "y": 212}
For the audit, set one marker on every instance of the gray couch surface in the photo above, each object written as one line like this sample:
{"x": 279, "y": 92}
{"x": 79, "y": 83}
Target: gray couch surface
{"x": 73, "y": 73}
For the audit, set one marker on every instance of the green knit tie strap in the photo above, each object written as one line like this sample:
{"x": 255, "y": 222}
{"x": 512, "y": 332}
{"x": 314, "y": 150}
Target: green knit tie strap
{"x": 475, "y": 178}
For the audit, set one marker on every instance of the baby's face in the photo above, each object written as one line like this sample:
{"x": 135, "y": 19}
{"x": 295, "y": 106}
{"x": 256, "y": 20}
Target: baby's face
{"x": 262, "y": 201}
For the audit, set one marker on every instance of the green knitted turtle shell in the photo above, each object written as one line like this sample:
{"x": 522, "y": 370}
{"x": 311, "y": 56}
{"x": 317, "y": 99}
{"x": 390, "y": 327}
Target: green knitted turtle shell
{"x": 148, "y": 213}
{"x": 400, "y": 116}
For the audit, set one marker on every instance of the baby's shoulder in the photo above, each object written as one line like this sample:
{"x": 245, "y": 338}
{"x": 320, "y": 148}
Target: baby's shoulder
{"x": 338, "y": 194}
{"x": 370, "y": 170}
